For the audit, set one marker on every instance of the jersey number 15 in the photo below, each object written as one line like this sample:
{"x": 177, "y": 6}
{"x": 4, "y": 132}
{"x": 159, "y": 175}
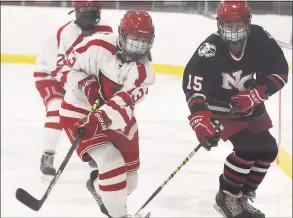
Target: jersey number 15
{"x": 194, "y": 83}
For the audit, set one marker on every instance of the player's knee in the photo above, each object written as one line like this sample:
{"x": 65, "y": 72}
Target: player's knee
{"x": 112, "y": 175}
{"x": 270, "y": 149}
{"x": 267, "y": 148}
{"x": 132, "y": 180}
{"x": 260, "y": 146}
{"x": 107, "y": 157}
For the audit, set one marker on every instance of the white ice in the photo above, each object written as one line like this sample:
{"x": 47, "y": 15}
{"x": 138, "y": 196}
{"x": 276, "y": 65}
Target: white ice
{"x": 165, "y": 140}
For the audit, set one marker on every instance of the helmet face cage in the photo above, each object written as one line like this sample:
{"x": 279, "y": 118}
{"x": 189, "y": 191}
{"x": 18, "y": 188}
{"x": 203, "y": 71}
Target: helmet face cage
{"x": 87, "y": 16}
{"x": 134, "y": 47}
{"x": 234, "y": 32}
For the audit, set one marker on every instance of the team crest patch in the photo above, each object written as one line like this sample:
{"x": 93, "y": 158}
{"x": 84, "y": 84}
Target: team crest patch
{"x": 207, "y": 50}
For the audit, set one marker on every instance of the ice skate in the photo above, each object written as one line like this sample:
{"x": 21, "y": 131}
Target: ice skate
{"x": 47, "y": 167}
{"x": 92, "y": 190}
{"x": 249, "y": 210}
{"x": 229, "y": 205}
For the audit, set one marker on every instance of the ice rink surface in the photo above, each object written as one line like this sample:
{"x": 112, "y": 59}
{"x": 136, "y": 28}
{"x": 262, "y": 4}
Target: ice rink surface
{"x": 165, "y": 140}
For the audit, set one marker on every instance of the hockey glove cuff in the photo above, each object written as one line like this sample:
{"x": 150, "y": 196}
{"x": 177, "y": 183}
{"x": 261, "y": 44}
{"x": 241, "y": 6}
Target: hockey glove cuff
{"x": 248, "y": 99}
{"x": 91, "y": 88}
{"x": 94, "y": 124}
{"x": 205, "y": 131}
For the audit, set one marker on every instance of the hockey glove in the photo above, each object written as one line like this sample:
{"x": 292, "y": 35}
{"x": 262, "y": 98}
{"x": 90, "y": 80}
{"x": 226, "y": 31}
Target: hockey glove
{"x": 205, "y": 131}
{"x": 248, "y": 99}
{"x": 91, "y": 88}
{"x": 93, "y": 124}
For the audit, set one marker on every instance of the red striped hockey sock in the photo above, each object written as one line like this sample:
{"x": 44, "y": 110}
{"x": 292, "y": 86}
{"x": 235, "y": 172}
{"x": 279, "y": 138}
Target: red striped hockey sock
{"x": 236, "y": 171}
{"x": 256, "y": 176}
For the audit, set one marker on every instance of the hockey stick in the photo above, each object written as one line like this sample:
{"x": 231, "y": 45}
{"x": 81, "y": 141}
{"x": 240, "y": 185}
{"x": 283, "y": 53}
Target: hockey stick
{"x": 35, "y": 204}
{"x": 232, "y": 111}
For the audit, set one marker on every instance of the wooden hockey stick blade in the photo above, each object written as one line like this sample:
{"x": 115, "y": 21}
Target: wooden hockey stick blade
{"x": 28, "y": 200}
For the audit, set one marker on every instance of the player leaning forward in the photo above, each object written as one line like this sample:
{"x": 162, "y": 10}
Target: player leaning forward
{"x": 114, "y": 73}
{"x": 50, "y": 80}
{"x": 240, "y": 65}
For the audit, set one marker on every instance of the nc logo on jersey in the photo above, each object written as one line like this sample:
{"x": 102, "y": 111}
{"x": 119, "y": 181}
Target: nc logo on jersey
{"x": 235, "y": 80}
{"x": 207, "y": 50}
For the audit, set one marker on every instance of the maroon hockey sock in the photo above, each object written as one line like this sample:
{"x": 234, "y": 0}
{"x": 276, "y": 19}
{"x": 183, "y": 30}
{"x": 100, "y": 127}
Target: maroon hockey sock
{"x": 256, "y": 175}
{"x": 236, "y": 171}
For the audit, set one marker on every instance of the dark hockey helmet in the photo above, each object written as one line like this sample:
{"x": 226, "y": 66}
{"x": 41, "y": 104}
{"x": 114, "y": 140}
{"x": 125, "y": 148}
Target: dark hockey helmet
{"x": 234, "y": 21}
{"x": 88, "y": 14}
{"x": 136, "y": 35}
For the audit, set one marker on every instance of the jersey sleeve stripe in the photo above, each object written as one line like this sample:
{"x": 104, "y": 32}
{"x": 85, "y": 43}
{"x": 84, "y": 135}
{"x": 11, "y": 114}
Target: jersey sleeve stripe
{"x": 142, "y": 74}
{"x": 54, "y": 72}
{"x": 60, "y": 31}
{"x": 103, "y": 29}
{"x": 195, "y": 101}
{"x": 275, "y": 81}
{"x": 130, "y": 125}
{"x": 281, "y": 77}
{"x": 78, "y": 40}
{"x": 120, "y": 110}
{"x": 126, "y": 98}
{"x": 196, "y": 96}
{"x": 98, "y": 42}
{"x": 40, "y": 74}
{"x": 64, "y": 78}
{"x": 70, "y": 107}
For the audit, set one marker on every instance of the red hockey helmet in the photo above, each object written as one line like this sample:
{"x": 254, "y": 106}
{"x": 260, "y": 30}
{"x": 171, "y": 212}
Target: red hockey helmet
{"x": 234, "y": 20}
{"x": 136, "y": 34}
{"x": 88, "y": 13}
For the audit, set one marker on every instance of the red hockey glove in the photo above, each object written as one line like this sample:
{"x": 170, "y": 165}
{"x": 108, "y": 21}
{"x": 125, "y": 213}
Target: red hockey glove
{"x": 94, "y": 124}
{"x": 91, "y": 88}
{"x": 246, "y": 100}
{"x": 205, "y": 131}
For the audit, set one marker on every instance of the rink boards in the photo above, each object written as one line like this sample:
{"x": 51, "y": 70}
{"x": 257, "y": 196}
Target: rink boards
{"x": 165, "y": 135}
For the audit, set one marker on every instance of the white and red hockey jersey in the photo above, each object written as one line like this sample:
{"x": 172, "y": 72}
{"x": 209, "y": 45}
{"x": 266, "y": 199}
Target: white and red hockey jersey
{"x": 96, "y": 55}
{"x": 57, "y": 47}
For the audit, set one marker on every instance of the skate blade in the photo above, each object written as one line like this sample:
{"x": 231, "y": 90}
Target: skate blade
{"x": 220, "y": 210}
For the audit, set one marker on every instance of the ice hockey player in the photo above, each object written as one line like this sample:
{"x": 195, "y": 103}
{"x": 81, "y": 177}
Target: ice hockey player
{"x": 113, "y": 72}
{"x": 48, "y": 79}
{"x": 241, "y": 66}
